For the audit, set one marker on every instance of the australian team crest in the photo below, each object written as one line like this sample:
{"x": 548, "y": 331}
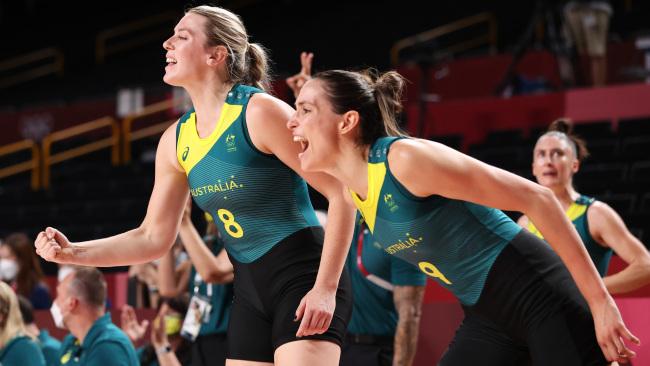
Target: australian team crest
{"x": 230, "y": 143}
{"x": 390, "y": 202}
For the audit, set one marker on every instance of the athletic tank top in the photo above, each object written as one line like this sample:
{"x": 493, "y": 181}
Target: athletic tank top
{"x": 255, "y": 200}
{"x": 455, "y": 242}
{"x": 577, "y": 213}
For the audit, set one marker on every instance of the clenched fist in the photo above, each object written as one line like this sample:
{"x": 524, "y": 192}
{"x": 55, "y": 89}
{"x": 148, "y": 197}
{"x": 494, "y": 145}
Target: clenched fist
{"x": 52, "y": 245}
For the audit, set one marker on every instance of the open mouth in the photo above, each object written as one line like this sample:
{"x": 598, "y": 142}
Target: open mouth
{"x": 550, "y": 174}
{"x": 304, "y": 144}
{"x": 171, "y": 61}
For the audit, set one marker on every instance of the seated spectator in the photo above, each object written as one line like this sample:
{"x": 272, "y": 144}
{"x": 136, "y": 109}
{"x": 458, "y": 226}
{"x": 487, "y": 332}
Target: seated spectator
{"x": 16, "y": 347}
{"x": 49, "y": 345}
{"x": 171, "y": 312}
{"x": 80, "y": 308}
{"x": 20, "y": 267}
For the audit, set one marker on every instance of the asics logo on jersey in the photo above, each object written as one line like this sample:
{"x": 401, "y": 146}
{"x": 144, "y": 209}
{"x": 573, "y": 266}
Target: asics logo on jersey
{"x": 185, "y": 153}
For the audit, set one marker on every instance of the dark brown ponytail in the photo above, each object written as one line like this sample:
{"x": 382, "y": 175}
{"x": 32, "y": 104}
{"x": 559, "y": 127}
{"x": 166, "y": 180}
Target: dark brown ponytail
{"x": 388, "y": 92}
{"x": 376, "y": 97}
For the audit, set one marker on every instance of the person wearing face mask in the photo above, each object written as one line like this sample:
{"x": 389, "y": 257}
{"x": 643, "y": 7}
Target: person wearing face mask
{"x": 172, "y": 349}
{"x": 16, "y": 346}
{"x": 49, "y": 345}
{"x": 556, "y": 158}
{"x": 20, "y": 267}
{"x": 80, "y": 308}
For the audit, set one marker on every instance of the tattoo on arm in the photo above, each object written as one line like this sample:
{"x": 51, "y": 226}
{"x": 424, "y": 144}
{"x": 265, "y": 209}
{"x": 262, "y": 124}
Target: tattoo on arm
{"x": 408, "y": 302}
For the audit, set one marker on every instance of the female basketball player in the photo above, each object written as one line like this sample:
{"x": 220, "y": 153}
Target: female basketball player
{"x": 556, "y": 158}
{"x": 431, "y": 206}
{"x": 234, "y": 151}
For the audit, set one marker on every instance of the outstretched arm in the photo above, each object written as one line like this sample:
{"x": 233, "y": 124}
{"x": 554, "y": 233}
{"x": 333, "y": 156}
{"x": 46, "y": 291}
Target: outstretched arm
{"x": 607, "y": 227}
{"x": 151, "y": 240}
{"x": 426, "y": 168}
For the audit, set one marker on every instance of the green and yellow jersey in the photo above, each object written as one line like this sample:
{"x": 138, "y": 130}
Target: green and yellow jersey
{"x": 374, "y": 274}
{"x": 454, "y": 242}
{"x": 577, "y": 213}
{"x": 255, "y": 199}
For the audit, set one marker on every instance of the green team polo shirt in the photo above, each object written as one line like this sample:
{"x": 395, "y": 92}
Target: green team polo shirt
{"x": 104, "y": 345}
{"x": 21, "y": 351}
{"x": 50, "y": 347}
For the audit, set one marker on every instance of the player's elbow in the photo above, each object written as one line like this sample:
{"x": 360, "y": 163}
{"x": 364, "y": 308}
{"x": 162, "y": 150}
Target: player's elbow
{"x": 157, "y": 242}
{"x": 539, "y": 198}
{"x": 644, "y": 268}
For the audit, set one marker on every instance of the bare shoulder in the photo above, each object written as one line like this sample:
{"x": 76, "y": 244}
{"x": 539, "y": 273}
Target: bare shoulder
{"x": 266, "y": 120}
{"x": 264, "y": 106}
{"x": 404, "y": 151}
{"x": 168, "y": 138}
{"x": 167, "y": 146}
{"x": 408, "y": 159}
{"x": 406, "y": 155}
{"x": 600, "y": 213}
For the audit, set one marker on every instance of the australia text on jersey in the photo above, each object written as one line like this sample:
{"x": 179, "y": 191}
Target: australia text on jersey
{"x": 407, "y": 243}
{"x": 220, "y": 186}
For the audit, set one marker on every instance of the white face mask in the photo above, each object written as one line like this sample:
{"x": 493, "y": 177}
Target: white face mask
{"x": 57, "y": 316}
{"x": 8, "y": 269}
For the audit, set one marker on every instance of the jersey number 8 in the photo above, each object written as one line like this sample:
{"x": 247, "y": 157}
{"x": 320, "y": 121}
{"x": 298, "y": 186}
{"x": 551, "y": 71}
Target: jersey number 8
{"x": 232, "y": 227}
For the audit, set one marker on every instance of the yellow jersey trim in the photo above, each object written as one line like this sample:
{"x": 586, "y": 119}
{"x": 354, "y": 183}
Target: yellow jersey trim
{"x": 574, "y": 211}
{"x": 368, "y": 208}
{"x": 191, "y": 148}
